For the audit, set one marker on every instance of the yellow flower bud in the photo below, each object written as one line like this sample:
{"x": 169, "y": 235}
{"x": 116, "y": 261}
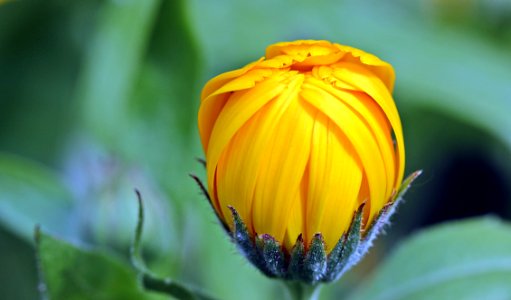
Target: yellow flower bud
{"x": 299, "y": 139}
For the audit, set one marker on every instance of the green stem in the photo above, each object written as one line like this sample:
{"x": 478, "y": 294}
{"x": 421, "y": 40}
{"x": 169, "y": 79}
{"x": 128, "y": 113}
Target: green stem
{"x": 172, "y": 288}
{"x": 150, "y": 281}
{"x": 300, "y": 291}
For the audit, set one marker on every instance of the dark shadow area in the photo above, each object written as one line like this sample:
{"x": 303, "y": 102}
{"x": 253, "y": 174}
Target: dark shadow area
{"x": 18, "y": 277}
{"x": 469, "y": 185}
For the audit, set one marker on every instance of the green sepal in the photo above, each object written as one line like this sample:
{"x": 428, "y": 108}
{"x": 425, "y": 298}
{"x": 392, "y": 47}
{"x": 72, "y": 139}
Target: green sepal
{"x": 313, "y": 265}
{"x": 353, "y": 245}
{"x": 347, "y": 256}
{"x": 295, "y": 270}
{"x": 202, "y": 161}
{"x": 273, "y": 256}
{"x": 204, "y": 191}
{"x": 246, "y": 245}
{"x": 315, "y": 262}
{"x": 382, "y": 220}
{"x": 406, "y": 184}
{"x": 334, "y": 258}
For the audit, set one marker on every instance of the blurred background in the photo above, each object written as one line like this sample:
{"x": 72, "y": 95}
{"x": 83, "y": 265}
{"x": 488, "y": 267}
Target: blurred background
{"x": 100, "y": 97}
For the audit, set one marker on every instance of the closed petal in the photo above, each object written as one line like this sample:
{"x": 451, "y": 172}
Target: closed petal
{"x": 335, "y": 176}
{"x": 215, "y": 99}
{"x": 369, "y": 83}
{"x": 359, "y": 135}
{"x": 237, "y": 170}
{"x": 375, "y": 120}
{"x": 297, "y": 140}
{"x": 238, "y": 110}
{"x": 282, "y": 171}
{"x": 239, "y": 166}
{"x": 220, "y": 80}
{"x": 380, "y": 68}
{"x": 296, "y": 222}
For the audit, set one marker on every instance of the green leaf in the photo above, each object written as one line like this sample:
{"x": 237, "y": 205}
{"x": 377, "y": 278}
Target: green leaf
{"x": 30, "y": 194}
{"x": 459, "y": 260}
{"x": 68, "y": 272}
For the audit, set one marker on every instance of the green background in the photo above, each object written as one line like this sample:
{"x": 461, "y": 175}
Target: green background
{"x": 100, "y": 97}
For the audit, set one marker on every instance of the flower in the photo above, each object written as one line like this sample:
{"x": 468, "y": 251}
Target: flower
{"x": 297, "y": 141}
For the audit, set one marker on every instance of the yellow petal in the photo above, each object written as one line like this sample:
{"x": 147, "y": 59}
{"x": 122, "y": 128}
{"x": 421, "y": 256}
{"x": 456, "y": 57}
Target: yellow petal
{"x": 376, "y": 121}
{"x": 282, "y": 171}
{"x": 334, "y": 182}
{"x": 237, "y": 111}
{"x": 304, "y": 54}
{"x": 208, "y": 113}
{"x": 358, "y": 135}
{"x": 237, "y": 170}
{"x": 296, "y": 221}
{"x": 218, "y": 81}
{"x": 369, "y": 83}
{"x": 380, "y": 68}
{"x": 297, "y": 140}
{"x": 213, "y": 103}
{"x": 248, "y": 80}
{"x": 239, "y": 166}
{"x": 292, "y": 48}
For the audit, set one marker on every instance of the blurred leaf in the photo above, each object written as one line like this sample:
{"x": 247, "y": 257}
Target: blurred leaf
{"x": 137, "y": 89}
{"x": 71, "y": 273}
{"x": 41, "y": 50}
{"x": 30, "y": 194}
{"x": 164, "y": 103}
{"x": 460, "y": 260}
{"x": 111, "y": 67}
{"x": 136, "y": 93}
{"x": 167, "y": 83}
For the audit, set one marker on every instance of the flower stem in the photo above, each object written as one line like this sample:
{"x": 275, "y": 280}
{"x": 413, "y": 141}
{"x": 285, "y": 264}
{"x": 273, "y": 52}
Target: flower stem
{"x": 301, "y": 291}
